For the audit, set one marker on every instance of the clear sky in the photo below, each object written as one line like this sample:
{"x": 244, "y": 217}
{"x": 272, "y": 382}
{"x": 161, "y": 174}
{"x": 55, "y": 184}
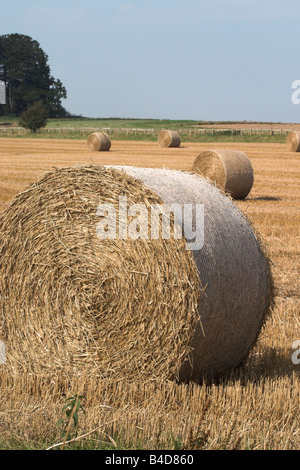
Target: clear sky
{"x": 168, "y": 59}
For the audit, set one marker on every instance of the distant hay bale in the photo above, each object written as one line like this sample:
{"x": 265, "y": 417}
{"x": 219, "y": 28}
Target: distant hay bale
{"x": 169, "y": 139}
{"x": 293, "y": 141}
{"x": 99, "y": 141}
{"x": 230, "y": 170}
{"x": 75, "y": 304}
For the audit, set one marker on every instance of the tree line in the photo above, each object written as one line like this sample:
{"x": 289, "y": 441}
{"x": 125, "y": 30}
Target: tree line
{"x": 25, "y": 70}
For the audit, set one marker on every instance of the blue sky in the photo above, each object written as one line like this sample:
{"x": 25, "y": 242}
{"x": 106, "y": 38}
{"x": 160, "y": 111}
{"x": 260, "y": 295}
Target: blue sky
{"x": 179, "y": 59}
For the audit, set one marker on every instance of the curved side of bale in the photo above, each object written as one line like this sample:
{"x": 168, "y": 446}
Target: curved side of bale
{"x": 168, "y": 138}
{"x": 99, "y": 141}
{"x": 233, "y": 270}
{"x": 230, "y": 170}
{"x": 293, "y": 141}
{"x": 72, "y": 303}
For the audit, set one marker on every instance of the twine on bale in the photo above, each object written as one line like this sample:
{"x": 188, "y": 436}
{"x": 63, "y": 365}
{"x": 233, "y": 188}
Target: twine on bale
{"x": 73, "y": 304}
{"x": 293, "y": 141}
{"x": 230, "y": 170}
{"x": 99, "y": 141}
{"x": 169, "y": 139}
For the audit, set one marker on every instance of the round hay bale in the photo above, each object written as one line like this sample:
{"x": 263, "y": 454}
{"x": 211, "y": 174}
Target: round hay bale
{"x": 293, "y": 141}
{"x": 99, "y": 141}
{"x": 169, "y": 139}
{"x": 74, "y": 304}
{"x": 230, "y": 170}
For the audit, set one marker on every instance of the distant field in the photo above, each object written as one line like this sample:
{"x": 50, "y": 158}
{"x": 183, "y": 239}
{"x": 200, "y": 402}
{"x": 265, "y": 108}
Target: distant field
{"x": 257, "y": 407}
{"x": 81, "y": 121}
{"x": 148, "y": 129}
{"x": 109, "y": 122}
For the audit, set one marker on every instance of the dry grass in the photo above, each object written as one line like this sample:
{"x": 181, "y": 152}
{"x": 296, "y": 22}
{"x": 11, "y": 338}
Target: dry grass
{"x": 257, "y": 407}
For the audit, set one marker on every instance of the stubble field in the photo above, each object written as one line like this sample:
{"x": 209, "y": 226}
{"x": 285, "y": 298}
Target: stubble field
{"x": 257, "y": 407}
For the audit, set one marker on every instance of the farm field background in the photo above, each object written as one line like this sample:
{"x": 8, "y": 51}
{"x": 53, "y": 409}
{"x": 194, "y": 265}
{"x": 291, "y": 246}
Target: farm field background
{"x": 148, "y": 129}
{"x": 257, "y": 407}
{"x": 80, "y": 121}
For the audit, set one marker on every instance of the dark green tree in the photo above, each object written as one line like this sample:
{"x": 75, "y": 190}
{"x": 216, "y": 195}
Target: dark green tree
{"x": 25, "y": 70}
{"x": 35, "y": 117}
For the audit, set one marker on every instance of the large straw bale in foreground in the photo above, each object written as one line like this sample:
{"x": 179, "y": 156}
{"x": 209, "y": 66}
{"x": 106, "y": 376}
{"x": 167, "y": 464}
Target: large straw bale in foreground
{"x": 169, "y": 139}
{"x": 230, "y": 170}
{"x": 99, "y": 142}
{"x": 293, "y": 141}
{"x": 72, "y": 303}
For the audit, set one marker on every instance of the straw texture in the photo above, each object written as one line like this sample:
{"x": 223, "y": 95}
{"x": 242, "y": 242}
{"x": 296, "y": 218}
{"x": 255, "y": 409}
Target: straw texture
{"x": 72, "y": 303}
{"x": 293, "y": 141}
{"x": 230, "y": 170}
{"x": 99, "y": 141}
{"x": 169, "y": 139}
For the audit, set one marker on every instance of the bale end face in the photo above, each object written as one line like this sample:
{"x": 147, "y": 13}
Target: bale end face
{"x": 77, "y": 302}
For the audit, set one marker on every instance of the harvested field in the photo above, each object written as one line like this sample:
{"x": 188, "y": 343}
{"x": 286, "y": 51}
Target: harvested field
{"x": 257, "y": 407}
{"x": 253, "y": 125}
